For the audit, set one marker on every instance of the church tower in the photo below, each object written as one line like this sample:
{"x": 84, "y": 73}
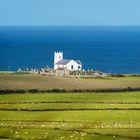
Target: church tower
{"x": 57, "y": 57}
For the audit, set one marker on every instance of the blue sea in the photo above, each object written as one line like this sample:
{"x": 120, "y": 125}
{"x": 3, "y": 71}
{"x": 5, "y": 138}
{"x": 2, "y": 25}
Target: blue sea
{"x": 99, "y": 48}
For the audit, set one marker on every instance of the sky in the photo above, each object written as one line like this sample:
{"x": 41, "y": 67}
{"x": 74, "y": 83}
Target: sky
{"x": 69, "y": 12}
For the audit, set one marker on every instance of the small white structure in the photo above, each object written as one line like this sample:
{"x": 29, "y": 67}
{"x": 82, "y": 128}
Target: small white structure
{"x": 60, "y": 63}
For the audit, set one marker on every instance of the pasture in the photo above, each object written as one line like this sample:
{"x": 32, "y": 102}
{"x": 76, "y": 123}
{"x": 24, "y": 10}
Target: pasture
{"x": 70, "y": 116}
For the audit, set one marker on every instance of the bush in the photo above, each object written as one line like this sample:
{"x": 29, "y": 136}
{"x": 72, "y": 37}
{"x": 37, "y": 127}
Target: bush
{"x": 117, "y": 75}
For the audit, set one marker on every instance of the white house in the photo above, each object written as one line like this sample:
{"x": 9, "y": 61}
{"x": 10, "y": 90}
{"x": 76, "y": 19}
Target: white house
{"x": 60, "y": 63}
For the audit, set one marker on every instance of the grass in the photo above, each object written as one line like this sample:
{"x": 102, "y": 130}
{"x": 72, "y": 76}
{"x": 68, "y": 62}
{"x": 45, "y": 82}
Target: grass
{"x": 68, "y": 106}
{"x": 124, "y": 97}
{"x": 61, "y": 134}
{"x": 112, "y": 116}
{"x": 26, "y": 82}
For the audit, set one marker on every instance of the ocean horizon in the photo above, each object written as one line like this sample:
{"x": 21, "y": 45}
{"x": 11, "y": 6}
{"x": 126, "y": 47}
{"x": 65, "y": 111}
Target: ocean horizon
{"x": 103, "y": 48}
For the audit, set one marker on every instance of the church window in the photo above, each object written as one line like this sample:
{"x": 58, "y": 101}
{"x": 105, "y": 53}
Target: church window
{"x": 72, "y": 67}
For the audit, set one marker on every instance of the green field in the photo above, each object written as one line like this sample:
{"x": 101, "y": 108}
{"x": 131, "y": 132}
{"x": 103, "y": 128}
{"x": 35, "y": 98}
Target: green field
{"x": 70, "y": 116}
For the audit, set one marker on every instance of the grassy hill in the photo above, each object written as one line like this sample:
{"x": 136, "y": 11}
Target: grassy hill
{"x": 69, "y": 116}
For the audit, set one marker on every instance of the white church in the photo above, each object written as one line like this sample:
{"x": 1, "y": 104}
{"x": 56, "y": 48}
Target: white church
{"x": 60, "y": 63}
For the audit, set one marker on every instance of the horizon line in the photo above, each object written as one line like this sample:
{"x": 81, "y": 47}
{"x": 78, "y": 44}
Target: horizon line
{"x": 67, "y": 25}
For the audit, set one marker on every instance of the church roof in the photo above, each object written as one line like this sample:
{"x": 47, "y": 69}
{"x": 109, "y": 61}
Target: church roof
{"x": 66, "y": 61}
{"x": 78, "y": 62}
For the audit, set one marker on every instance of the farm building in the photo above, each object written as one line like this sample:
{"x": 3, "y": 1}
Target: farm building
{"x": 69, "y": 64}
